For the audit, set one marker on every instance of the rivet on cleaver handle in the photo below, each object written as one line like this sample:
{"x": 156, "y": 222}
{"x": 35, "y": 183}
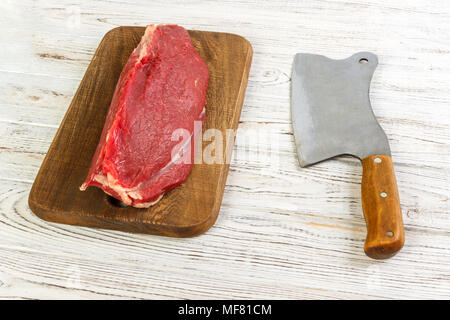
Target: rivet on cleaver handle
{"x": 332, "y": 115}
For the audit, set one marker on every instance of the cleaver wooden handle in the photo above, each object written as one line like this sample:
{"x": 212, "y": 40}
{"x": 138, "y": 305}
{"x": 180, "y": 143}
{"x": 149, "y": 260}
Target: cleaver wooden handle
{"x": 381, "y": 206}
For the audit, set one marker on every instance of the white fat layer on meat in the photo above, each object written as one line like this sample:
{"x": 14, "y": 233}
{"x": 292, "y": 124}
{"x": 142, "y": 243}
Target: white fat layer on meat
{"x": 148, "y": 204}
{"x": 146, "y": 39}
{"x": 126, "y": 194}
{"x": 110, "y": 182}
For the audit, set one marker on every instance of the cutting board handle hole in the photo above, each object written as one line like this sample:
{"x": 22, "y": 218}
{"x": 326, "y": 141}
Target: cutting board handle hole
{"x": 363, "y": 61}
{"x": 115, "y": 202}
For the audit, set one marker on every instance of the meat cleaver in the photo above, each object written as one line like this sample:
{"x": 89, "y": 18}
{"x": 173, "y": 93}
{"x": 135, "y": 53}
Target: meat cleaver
{"x": 331, "y": 116}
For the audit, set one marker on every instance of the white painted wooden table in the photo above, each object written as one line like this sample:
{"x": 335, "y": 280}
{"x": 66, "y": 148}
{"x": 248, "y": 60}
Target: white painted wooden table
{"x": 283, "y": 231}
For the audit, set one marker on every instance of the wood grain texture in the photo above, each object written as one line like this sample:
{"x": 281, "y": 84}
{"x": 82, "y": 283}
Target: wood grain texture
{"x": 189, "y": 209}
{"x": 381, "y": 207}
{"x": 282, "y": 231}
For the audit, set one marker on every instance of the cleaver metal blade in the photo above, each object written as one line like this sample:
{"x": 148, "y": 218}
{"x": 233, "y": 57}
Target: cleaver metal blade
{"x": 331, "y": 116}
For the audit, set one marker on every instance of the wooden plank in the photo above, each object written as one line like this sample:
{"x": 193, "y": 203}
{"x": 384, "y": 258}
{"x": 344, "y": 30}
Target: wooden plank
{"x": 291, "y": 254}
{"x": 284, "y": 232}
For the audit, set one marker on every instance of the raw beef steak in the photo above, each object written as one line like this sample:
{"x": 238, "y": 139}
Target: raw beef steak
{"x": 162, "y": 88}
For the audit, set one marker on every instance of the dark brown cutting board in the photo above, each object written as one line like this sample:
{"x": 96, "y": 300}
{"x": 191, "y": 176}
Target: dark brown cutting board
{"x": 187, "y": 210}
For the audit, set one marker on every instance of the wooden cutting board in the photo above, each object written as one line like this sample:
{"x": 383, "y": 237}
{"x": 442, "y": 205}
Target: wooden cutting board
{"x": 187, "y": 210}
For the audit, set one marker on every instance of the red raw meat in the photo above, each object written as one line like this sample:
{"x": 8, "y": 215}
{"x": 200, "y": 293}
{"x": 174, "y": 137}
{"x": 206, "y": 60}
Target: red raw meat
{"x": 161, "y": 88}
